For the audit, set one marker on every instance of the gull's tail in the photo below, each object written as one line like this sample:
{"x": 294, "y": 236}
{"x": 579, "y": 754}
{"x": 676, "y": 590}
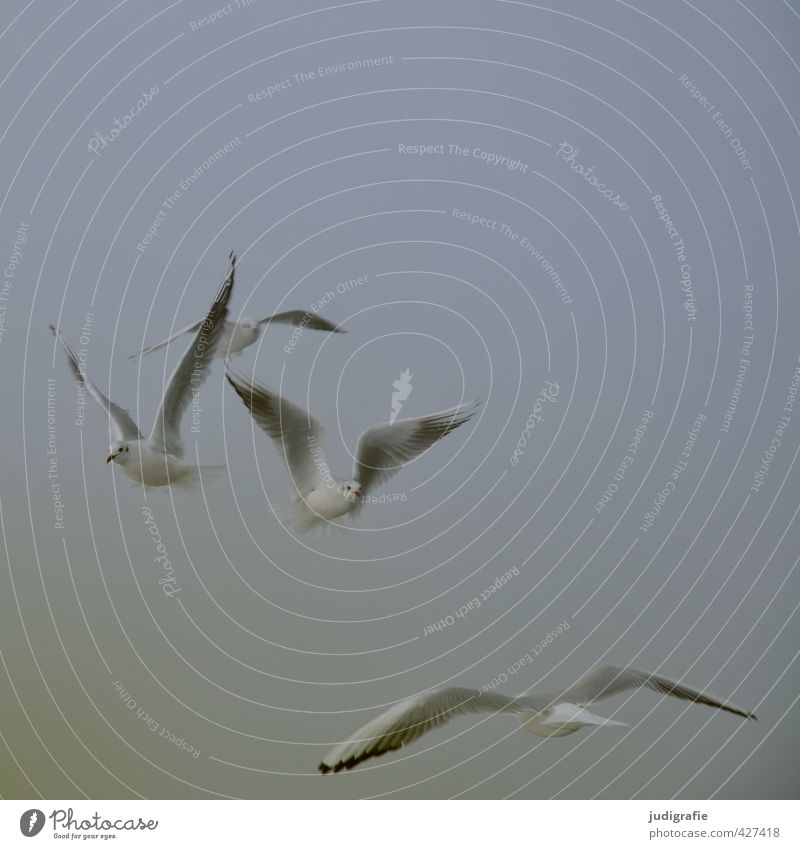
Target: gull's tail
{"x": 299, "y": 518}
{"x": 198, "y": 477}
{"x": 563, "y": 719}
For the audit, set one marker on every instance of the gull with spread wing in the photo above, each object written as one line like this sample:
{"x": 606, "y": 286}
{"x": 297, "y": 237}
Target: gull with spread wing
{"x": 546, "y": 715}
{"x": 382, "y": 450}
{"x": 238, "y": 335}
{"x": 158, "y": 459}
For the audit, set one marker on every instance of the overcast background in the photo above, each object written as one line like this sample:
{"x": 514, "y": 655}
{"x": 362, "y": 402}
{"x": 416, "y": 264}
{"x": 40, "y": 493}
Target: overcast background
{"x": 275, "y": 647}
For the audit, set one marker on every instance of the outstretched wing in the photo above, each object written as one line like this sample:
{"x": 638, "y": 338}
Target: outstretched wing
{"x": 302, "y": 318}
{"x": 123, "y": 425}
{"x": 409, "y": 720}
{"x": 382, "y": 450}
{"x": 150, "y": 348}
{"x": 296, "y": 433}
{"x": 191, "y": 371}
{"x": 608, "y": 681}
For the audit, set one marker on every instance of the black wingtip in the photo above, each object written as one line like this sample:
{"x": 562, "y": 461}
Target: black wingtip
{"x": 53, "y": 330}
{"x": 231, "y": 376}
{"x": 324, "y": 768}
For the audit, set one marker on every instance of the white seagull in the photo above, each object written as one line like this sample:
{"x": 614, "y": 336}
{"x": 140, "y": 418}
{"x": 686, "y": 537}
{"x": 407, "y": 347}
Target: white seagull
{"x": 547, "y": 715}
{"x": 238, "y": 335}
{"x": 382, "y": 450}
{"x": 158, "y": 460}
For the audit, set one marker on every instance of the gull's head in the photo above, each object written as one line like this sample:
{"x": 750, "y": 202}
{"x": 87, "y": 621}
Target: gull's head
{"x": 351, "y": 490}
{"x": 119, "y": 452}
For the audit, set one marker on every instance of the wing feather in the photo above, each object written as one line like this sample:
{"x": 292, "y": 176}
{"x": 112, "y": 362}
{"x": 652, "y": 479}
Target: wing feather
{"x": 382, "y": 450}
{"x": 158, "y": 345}
{"x": 302, "y": 318}
{"x": 191, "y": 371}
{"x": 608, "y": 681}
{"x": 123, "y": 425}
{"x": 407, "y": 721}
{"x": 296, "y": 433}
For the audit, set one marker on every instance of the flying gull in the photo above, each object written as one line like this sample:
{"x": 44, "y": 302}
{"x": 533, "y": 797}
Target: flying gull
{"x": 382, "y": 450}
{"x": 238, "y": 335}
{"x": 158, "y": 459}
{"x": 547, "y": 715}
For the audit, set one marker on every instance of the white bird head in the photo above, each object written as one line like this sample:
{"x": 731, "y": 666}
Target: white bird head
{"x": 351, "y": 490}
{"x": 119, "y": 452}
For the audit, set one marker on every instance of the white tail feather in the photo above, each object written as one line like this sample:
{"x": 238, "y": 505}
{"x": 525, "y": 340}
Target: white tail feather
{"x": 299, "y": 518}
{"x": 199, "y": 476}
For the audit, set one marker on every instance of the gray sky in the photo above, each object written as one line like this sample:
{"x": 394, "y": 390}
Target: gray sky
{"x": 518, "y": 195}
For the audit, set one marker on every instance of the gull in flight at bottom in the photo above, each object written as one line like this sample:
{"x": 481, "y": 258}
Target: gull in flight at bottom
{"x": 546, "y": 715}
{"x": 382, "y": 450}
{"x": 158, "y": 460}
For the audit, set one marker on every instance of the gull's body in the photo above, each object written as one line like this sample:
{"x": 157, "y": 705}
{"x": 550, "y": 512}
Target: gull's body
{"x": 151, "y": 467}
{"x": 157, "y": 460}
{"x": 546, "y": 715}
{"x": 238, "y": 335}
{"x": 298, "y": 436}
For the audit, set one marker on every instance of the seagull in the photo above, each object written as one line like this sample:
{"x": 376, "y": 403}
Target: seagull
{"x": 158, "y": 460}
{"x": 238, "y": 335}
{"x": 381, "y": 452}
{"x": 546, "y": 715}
